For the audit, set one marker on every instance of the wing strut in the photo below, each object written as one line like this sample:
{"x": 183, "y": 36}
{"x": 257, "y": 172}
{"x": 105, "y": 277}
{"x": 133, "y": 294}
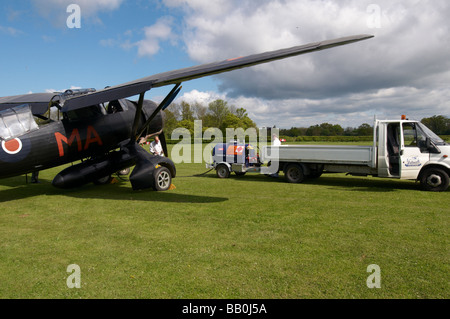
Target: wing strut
{"x": 137, "y": 116}
{"x": 162, "y": 106}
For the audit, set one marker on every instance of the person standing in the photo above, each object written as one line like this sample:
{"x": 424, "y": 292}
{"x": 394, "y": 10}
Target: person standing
{"x": 156, "y": 147}
{"x": 275, "y": 140}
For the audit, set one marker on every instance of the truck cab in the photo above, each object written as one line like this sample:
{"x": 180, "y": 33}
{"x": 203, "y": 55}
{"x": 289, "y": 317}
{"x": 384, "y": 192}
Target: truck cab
{"x": 409, "y": 150}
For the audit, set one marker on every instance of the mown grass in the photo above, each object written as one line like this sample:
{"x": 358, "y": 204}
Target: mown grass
{"x": 244, "y": 237}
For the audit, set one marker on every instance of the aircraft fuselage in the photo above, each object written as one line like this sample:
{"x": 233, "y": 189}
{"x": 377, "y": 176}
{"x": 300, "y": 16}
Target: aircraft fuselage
{"x": 73, "y": 138}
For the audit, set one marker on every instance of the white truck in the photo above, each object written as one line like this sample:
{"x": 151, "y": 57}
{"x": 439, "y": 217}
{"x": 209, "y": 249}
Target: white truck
{"x": 401, "y": 149}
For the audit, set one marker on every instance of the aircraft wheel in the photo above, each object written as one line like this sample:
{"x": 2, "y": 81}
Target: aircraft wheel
{"x": 294, "y": 174}
{"x": 222, "y": 171}
{"x": 435, "y": 180}
{"x": 125, "y": 171}
{"x": 103, "y": 180}
{"x": 163, "y": 179}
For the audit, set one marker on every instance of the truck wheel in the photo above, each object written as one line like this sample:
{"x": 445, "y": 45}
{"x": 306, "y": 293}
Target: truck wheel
{"x": 163, "y": 179}
{"x": 434, "y": 180}
{"x": 222, "y": 171}
{"x": 294, "y": 174}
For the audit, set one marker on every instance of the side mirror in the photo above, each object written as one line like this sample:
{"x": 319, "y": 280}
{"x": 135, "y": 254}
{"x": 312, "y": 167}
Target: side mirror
{"x": 431, "y": 147}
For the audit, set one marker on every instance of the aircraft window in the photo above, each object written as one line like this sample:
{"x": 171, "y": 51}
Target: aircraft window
{"x": 116, "y": 106}
{"x": 55, "y": 114}
{"x": 86, "y": 113}
{"x": 16, "y": 121}
{"x": 102, "y": 108}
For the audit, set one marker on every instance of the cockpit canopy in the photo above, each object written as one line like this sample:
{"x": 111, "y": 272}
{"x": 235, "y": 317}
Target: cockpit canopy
{"x": 16, "y": 121}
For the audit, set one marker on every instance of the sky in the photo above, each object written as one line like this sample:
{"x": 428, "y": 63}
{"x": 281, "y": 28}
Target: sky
{"x": 405, "y": 69}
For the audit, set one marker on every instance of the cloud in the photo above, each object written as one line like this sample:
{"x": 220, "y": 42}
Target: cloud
{"x": 159, "y": 32}
{"x": 404, "y": 68}
{"x": 203, "y": 98}
{"x": 10, "y": 31}
{"x": 154, "y": 36}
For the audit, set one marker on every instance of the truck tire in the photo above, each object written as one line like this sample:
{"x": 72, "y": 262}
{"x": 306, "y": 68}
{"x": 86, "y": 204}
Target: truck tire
{"x": 163, "y": 179}
{"x": 294, "y": 173}
{"x": 434, "y": 180}
{"x": 222, "y": 171}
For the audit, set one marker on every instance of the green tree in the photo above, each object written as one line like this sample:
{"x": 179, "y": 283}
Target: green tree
{"x": 186, "y": 111}
{"x": 231, "y": 121}
{"x": 241, "y": 113}
{"x": 439, "y": 124}
{"x": 219, "y": 110}
{"x": 187, "y": 124}
{"x": 200, "y": 111}
{"x": 314, "y": 130}
{"x": 170, "y": 122}
{"x": 364, "y": 130}
{"x": 247, "y": 123}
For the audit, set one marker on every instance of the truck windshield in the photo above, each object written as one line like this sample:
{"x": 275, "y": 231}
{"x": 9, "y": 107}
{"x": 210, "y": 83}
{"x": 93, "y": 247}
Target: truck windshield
{"x": 429, "y": 133}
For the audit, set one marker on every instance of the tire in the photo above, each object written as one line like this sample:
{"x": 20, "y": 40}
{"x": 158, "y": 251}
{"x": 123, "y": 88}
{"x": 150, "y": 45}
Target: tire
{"x": 125, "y": 171}
{"x": 162, "y": 178}
{"x": 434, "y": 180}
{"x": 222, "y": 171}
{"x": 103, "y": 180}
{"x": 294, "y": 173}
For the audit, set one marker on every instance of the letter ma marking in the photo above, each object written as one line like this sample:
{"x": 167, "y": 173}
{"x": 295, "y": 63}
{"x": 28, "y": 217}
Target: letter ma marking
{"x": 91, "y": 137}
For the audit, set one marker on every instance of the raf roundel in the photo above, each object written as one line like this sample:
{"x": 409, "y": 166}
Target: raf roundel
{"x": 15, "y": 150}
{"x": 12, "y": 147}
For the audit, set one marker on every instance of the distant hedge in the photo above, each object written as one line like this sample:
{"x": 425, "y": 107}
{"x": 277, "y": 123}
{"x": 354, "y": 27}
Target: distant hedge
{"x": 304, "y": 139}
{"x": 333, "y": 139}
{"x": 315, "y": 139}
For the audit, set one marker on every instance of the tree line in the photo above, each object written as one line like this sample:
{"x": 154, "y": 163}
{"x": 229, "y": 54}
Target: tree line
{"x": 439, "y": 124}
{"x": 220, "y": 114}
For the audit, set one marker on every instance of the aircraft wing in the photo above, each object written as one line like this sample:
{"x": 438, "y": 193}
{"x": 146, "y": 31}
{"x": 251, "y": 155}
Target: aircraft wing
{"x": 181, "y": 75}
{"x": 37, "y": 101}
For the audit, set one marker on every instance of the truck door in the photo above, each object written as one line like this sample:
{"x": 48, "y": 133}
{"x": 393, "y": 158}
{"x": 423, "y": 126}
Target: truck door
{"x": 413, "y": 154}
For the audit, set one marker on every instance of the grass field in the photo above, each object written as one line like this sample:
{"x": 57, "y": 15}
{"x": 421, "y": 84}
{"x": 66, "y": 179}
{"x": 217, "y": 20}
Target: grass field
{"x": 244, "y": 237}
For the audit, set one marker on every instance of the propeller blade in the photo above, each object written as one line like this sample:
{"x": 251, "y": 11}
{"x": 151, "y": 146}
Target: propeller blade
{"x": 162, "y": 106}
{"x": 137, "y": 116}
{"x": 162, "y": 138}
